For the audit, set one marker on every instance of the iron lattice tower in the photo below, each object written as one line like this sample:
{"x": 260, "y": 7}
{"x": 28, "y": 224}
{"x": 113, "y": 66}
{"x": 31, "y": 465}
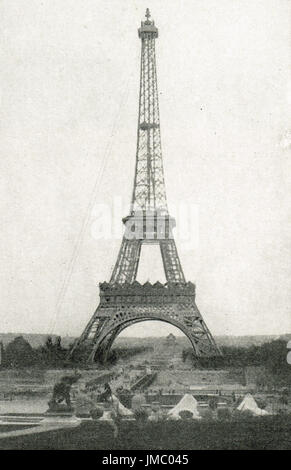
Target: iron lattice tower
{"x": 124, "y": 301}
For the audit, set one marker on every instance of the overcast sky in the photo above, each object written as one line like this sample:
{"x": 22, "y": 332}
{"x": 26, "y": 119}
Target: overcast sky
{"x": 69, "y": 91}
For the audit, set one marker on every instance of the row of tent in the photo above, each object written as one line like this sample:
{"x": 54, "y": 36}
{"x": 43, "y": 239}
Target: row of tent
{"x": 189, "y": 403}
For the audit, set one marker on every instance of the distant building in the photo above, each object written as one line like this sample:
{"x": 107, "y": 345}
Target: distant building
{"x": 171, "y": 340}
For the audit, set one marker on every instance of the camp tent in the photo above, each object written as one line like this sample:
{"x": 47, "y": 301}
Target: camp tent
{"x": 249, "y": 404}
{"x": 120, "y": 408}
{"x": 187, "y": 403}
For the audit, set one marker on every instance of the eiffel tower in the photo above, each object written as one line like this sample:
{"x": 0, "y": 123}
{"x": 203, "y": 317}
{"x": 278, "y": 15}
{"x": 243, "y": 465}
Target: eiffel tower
{"x": 123, "y": 300}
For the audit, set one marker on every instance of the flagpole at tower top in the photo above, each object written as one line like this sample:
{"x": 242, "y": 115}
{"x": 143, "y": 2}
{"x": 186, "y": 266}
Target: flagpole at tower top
{"x": 147, "y": 14}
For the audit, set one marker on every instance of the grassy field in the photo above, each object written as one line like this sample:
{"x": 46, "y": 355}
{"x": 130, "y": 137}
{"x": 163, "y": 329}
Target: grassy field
{"x": 259, "y": 433}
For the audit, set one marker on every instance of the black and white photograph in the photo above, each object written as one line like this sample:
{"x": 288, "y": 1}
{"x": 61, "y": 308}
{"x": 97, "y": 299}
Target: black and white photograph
{"x": 146, "y": 227}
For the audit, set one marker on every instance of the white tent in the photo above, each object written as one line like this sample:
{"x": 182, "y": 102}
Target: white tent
{"x": 117, "y": 407}
{"x": 120, "y": 408}
{"x": 187, "y": 403}
{"x": 249, "y": 404}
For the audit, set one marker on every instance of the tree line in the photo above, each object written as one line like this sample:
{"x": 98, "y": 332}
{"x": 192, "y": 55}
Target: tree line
{"x": 272, "y": 356}
{"x": 19, "y": 353}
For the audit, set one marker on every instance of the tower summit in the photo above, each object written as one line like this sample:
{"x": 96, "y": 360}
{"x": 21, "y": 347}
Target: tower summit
{"x": 123, "y": 300}
{"x": 147, "y": 26}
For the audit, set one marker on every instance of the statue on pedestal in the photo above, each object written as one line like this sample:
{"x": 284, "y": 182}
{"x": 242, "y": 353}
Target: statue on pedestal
{"x": 61, "y": 399}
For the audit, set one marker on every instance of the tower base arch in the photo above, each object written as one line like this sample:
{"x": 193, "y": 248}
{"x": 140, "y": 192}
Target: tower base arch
{"x": 122, "y": 305}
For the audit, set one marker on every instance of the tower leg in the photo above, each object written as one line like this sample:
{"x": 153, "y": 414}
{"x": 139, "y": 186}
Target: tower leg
{"x": 171, "y": 262}
{"x": 127, "y": 262}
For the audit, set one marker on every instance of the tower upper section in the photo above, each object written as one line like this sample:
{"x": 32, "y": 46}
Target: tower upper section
{"x": 149, "y": 192}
